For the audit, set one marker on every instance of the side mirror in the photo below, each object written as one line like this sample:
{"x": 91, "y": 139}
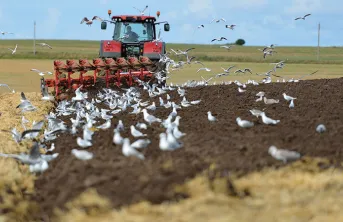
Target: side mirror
{"x": 166, "y": 27}
{"x": 103, "y": 25}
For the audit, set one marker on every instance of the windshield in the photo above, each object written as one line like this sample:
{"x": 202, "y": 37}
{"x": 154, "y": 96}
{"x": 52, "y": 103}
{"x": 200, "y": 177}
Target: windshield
{"x": 133, "y": 32}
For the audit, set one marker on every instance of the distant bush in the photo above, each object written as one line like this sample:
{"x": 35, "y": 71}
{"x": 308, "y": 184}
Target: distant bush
{"x": 240, "y": 42}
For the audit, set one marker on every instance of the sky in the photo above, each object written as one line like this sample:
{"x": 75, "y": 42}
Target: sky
{"x": 258, "y": 22}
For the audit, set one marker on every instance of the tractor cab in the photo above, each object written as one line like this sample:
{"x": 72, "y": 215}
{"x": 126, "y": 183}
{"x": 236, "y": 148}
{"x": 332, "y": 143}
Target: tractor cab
{"x": 142, "y": 28}
{"x": 133, "y": 35}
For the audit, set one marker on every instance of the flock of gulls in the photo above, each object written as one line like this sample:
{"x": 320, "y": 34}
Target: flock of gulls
{"x": 86, "y": 117}
{"x": 269, "y": 50}
{"x": 42, "y": 44}
{"x": 229, "y": 71}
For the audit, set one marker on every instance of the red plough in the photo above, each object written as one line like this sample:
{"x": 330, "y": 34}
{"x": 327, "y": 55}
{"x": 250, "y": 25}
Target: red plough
{"x": 116, "y": 72}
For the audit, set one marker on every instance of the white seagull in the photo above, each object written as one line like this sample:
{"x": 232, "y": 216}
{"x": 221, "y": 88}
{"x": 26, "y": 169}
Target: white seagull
{"x": 282, "y": 154}
{"x": 5, "y": 85}
{"x": 150, "y": 118}
{"x": 128, "y": 150}
{"x": 141, "y": 143}
{"x": 40, "y": 72}
{"x": 46, "y": 96}
{"x": 82, "y": 154}
{"x": 267, "y": 120}
{"x": 141, "y": 11}
{"x": 244, "y": 123}
{"x": 291, "y": 104}
{"x": 288, "y": 98}
{"x": 230, "y": 26}
{"x": 14, "y": 50}
{"x": 228, "y": 47}
{"x": 3, "y": 33}
{"x": 321, "y": 128}
{"x": 211, "y": 117}
{"x": 43, "y": 44}
{"x": 204, "y": 68}
{"x": 135, "y": 132}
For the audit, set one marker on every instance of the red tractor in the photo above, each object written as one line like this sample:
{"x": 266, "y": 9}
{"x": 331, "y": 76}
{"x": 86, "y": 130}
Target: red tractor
{"x": 132, "y": 53}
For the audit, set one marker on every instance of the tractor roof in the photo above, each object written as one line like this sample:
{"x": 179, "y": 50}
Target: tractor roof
{"x": 133, "y": 18}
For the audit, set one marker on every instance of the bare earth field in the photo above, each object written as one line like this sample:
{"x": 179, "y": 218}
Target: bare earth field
{"x": 222, "y": 173}
{"x": 232, "y": 171}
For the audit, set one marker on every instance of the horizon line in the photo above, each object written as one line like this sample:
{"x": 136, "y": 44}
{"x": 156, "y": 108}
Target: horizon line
{"x": 174, "y": 43}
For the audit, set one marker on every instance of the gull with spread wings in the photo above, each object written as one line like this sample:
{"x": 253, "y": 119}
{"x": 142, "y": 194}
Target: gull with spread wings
{"x": 303, "y": 18}
{"x": 43, "y": 44}
{"x": 142, "y": 11}
{"x": 220, "y": 39}
{"x": 14, "y": 50}
{"x": 90, "y": 22}
{"x": 230, "y": 26}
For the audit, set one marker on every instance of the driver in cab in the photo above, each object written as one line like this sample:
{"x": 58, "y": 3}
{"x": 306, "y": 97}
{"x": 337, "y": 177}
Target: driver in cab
{"x": 130, "y": 35}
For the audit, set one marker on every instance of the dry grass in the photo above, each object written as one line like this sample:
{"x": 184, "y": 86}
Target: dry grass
{"x": 16, "y": 180}
{"x": 298, "y": 192}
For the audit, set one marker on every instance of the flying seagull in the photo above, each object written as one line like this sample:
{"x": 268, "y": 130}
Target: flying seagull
{"x": 204, "y": 68}
{"x": 3, "y": 33}
{"x": 228, "y": 69}
{"x": 228, "y": 47}
{"x": 218, "y": 20}
{"x": 90, "y": 22}
{"x": 44, "y": 44}
{"x": 230, "y": 26}
{"x": 243, "y": 70}
{"x": 220, "y": 39}
{"x": 14, "y": 50}
{"x": 40, "y": 72}
{"x": 5, "y": 85}
{"x": 141, "y": 11}
{"x": 308, "y": 74}
{"x": 303, "y": 18}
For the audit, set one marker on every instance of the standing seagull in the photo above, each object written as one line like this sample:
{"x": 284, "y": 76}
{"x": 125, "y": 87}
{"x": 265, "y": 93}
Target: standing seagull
{"x": 211, "y": 117}
{"x": 282, "y": 154}
{"x": 288, "y": 98}
{"x": 303, "y": 18}
{"x": 141, "y": 11}
{"x": 14, "y": 50}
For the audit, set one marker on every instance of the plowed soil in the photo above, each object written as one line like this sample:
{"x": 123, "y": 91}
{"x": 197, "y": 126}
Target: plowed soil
{"x": 233, "y": 149}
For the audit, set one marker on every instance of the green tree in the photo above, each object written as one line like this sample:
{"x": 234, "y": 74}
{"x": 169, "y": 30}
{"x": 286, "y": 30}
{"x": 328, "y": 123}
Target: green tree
{"x": 240, "y": 42}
